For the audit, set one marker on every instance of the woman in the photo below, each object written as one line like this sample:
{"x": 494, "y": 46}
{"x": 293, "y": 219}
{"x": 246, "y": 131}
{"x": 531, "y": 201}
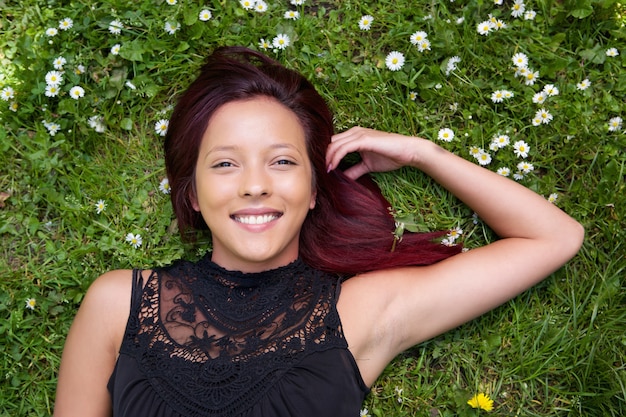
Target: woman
{"x": 262, "y": 326}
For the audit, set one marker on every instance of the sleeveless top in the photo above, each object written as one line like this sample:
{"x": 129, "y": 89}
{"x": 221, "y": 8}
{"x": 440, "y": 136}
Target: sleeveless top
{"x": 205, "y": 341}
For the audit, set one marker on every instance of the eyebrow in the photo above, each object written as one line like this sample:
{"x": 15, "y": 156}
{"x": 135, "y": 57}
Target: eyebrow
{"x": 226, "y": 148}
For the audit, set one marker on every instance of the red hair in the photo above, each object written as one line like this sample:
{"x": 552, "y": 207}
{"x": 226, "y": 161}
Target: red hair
{"x": 350, "y": 230}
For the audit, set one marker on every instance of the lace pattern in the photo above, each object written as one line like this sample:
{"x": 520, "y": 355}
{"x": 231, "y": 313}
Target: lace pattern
{"x": 213, "y": 342}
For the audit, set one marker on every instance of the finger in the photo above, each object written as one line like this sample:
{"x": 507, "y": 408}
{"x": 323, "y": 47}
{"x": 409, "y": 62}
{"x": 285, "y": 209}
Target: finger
{"x": 356, "y": 171}
{"x": 346, "y": 134}
{"x": 336, "y": 151}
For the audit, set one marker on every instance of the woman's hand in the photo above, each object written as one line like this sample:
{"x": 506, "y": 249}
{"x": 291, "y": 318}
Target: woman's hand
{"x": 380, "y": 151}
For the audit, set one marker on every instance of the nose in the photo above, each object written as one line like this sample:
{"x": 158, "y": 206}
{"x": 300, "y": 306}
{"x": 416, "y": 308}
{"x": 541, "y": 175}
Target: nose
{"x": 255, "y": 182}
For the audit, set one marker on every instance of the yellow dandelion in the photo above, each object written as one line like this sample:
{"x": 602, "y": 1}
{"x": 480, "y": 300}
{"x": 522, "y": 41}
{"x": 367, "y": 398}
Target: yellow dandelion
{"x": 481, "y": 401}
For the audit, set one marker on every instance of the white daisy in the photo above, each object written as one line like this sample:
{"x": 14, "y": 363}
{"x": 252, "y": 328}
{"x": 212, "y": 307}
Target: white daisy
{"x": 451, "y": 65}
{"x": 264, "y": 44}
{"x": 171, "y": 2}
{"x": 115, "y": 49}
{"x": 51, "y": 32}
{"x": 59, "y": 62}
{"x": 540, "y": 97}
{"x": 97, "y": 123}
{"x": 134, "y": 240}
{"x": 521, "y": 149}
{"x": 394, "y": 60}
{"x": 281, "y": 41}
{"x": 292, "y": 14}
{"x": 418, "y": 37}
{"x": 518, "y": 8}
{"x": 497, "y": 96}
{"x": 551, "y": 90}
{"x": 260, "y": 6}
{"x": 507, "y": 94}
{"x": 446, "y": 134}
{"x": 499, "y": 24}
{"x": 54, "y": 78}
{"x": 520, "y": 60}
{"x": 31, "y": 303}
{"x": 584, "y": 84}
{"x": 553, "y": 197}
{"x": 52, "y": 90}
{"x": 161, "y": 127}
{"x": 7, "y": 93}
{"x": 171, "y": 27}
{"x": 52, "y": 127}
{"x": 115, "y": 27}
{"x": 525, "y": 167}
{"x": 365, "y": 23}
{"x": 100, "y": 206}
{"x": 80, "y": 69}
{"x": 501, "y": 140}
{"x": 474, "y": 151}
{"x": 504, "y": 171}
{"x": 205, "y": 15}
{"x": 615, "y": 124}
{"x": 77, "y": 92}
{"x": 455, "y": 233}
{"x": 531, "y": 77}
{"x": 424, "y": 45}
{"x": 530, "y": 15}
{"x": 247, "y": 4}
{"x": 412, "y": 95}
{"x": 544, "y": 115}
{"x": 297, "y": 2}
{"x": 521, "y": 72}
{"x": 164, "y": 186}
{"x": 612, "y": 52}
{"x": 66, "y": 24}
{"x": 483, "y": 158}
{"x": 484, "y": 27}
{"x": 445, "y": 242}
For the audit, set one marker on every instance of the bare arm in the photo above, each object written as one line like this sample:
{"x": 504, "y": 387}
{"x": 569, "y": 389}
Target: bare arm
{"x": 91, "y": 348}
{"x": 414, "y": 304}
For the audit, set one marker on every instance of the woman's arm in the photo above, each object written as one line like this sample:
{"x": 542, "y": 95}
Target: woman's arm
{"x": 416, "y": 303}
{"x": 92, "y": 346}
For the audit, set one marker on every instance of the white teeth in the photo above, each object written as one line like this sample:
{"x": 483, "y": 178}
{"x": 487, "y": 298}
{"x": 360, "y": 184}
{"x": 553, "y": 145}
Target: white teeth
{"x": 256, "y": 219}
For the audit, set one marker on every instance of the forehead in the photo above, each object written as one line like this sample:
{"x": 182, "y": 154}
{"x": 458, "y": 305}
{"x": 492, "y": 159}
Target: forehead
{"x": 261, "y": 117}
{"x": 255, "y": 125}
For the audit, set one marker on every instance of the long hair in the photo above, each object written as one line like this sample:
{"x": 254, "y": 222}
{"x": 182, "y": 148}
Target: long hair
{"x": 350, "y": 230}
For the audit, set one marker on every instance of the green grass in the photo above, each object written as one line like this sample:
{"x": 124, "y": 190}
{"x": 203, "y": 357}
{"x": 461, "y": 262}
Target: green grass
{"x": 558, "y": 349}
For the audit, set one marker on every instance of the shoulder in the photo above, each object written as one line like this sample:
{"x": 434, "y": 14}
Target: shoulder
{"x": 92, "y": 344}
{"x": 108, "y": 301}
{"x": 111, "y": 289}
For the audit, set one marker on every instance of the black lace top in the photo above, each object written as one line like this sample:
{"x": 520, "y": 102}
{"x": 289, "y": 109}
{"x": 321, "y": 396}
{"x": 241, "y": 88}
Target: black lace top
{"x": 204, "y": 341}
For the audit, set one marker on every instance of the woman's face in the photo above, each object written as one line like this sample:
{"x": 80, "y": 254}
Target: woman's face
{"x": 253, "y": 184}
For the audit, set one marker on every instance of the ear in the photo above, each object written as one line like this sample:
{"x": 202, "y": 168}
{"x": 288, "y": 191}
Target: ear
{"x": 193, "y": 199}
{"x": 313, "y": 198}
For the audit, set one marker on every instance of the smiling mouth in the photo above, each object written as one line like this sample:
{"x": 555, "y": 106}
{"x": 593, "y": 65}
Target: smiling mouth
{"x": 266, "y": 218}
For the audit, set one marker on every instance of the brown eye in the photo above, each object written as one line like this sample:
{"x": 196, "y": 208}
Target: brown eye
{"x": 285, "y": 162}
